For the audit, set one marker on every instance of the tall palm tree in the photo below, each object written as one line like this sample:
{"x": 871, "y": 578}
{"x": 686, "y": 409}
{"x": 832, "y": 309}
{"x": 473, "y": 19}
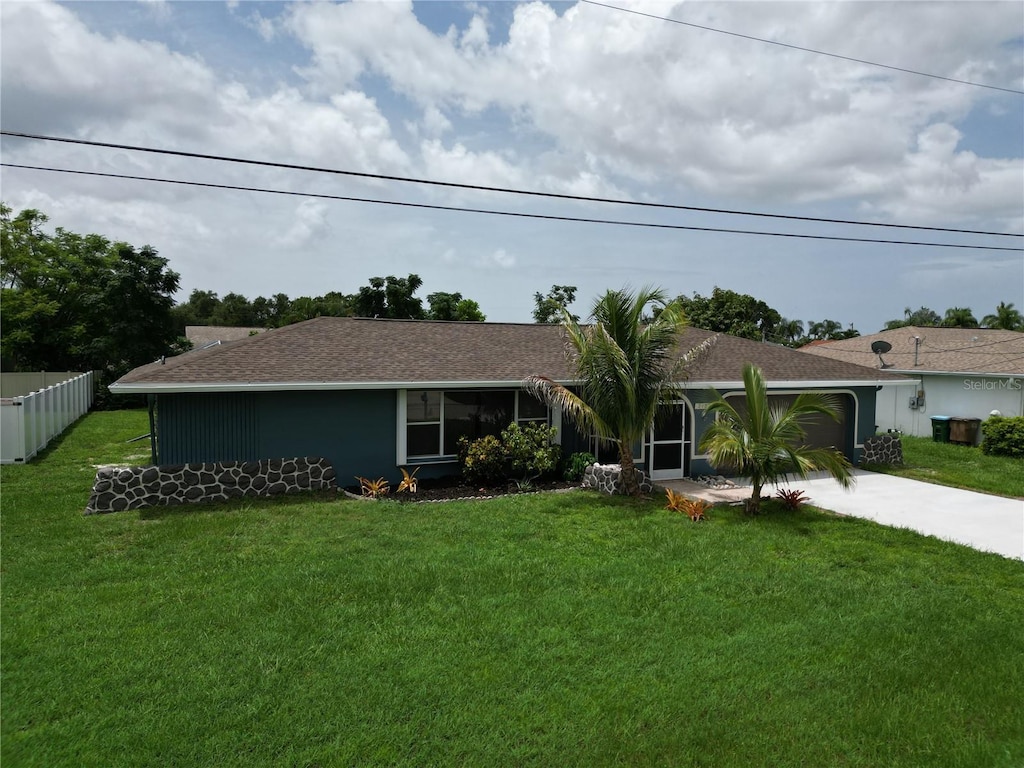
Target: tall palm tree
{"x": 790, "y": 331}
{"x": 1006, "y": 317}
{"x": 627, "y": 365}
{"x": 765, "y": 443}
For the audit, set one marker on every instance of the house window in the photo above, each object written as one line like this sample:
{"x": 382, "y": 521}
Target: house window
{"x": 435, "y": 420}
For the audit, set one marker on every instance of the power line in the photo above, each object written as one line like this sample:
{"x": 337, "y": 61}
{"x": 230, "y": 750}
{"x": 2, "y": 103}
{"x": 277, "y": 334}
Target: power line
{"x": 801, "y": 48}
{"x": 518, "y": 214}
{"x": 481, "y": 188}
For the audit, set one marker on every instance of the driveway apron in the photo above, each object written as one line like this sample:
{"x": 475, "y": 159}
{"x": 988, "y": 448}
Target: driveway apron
{"x": 981, "y": 521}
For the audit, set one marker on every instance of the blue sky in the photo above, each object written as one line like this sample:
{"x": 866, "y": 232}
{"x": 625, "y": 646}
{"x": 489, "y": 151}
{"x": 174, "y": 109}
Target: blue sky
{"x": 558, "y": 97}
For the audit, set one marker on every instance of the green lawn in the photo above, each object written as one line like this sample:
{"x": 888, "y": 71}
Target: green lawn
{"x": 547, "y": 630}
{"x": 960, "y": 466}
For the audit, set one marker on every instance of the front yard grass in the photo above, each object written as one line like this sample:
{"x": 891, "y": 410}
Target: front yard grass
{"x": 960, "y": 466}
{"x": 553, "y": 629}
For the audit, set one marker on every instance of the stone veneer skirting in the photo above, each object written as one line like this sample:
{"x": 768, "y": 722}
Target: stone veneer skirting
{"x": 605, "y": 478}
{"x": 117, "y": 489}
{"x": 884, "y": 449}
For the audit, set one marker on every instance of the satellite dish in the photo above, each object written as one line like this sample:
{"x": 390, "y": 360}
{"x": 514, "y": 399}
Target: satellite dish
{"x": 879, "y": 347}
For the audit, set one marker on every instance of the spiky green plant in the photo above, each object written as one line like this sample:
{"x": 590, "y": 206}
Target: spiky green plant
{"x": 766, "y": 444}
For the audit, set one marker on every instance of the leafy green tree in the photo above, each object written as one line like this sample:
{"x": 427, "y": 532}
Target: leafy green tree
{"x": 451, "y": 306}
{"x": 390, "y": 297}
{"x": 548, "y": 309}
{"x": 921, "y": 317}
{"x": 469, "y": 310}
{"x": 959, "y": 317}
{"x": 764, "y": 443}
{"x": 234, "y": 311}
{"x": 737, "y": 314}
{"x": 1006, "y": 317}
{"x": 74, "y": 301}
{"x": 627, "y": 368}
{"x": 270, "y": 313}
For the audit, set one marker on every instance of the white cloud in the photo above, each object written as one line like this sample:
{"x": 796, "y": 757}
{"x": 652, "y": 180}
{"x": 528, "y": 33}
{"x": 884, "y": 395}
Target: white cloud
{"x": 659, "y": 102}
{"x": 310, "y": 225}
{"x": 501, "y": 258}
{"x": 135, "y": 91}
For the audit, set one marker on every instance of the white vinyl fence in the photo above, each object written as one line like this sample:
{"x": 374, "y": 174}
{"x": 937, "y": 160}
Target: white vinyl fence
{"x": 28, "y": 423}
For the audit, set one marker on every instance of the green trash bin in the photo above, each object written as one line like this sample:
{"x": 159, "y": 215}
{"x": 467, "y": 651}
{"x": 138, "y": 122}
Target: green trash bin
{"x": 940, "y": 429}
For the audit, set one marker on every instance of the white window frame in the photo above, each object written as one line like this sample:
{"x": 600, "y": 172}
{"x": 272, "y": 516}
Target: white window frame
{"x": 553, "y": 418}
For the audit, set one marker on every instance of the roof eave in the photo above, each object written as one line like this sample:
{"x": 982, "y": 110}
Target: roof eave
{"x": 154, "y": 388}
{"x": 798, "y": 383}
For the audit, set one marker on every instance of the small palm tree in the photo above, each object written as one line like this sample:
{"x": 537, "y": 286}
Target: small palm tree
{"x": 766, "y": 444}
{"x": 1007, "y": 317}
{"x": 627, "y": 366}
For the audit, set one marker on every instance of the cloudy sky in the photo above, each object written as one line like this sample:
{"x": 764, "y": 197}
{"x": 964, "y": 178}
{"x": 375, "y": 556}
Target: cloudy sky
{"x": 571, "y": 98}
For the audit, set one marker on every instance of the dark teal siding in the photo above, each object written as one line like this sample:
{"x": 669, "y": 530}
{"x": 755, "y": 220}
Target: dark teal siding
{"x": 215, "y": 427}
{"x": 355, "y": 431}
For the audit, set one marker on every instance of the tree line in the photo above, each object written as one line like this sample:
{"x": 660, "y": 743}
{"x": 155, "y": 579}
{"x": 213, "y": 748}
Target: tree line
{"x": 84, "y": 302}
{"x": 387, "y": 297}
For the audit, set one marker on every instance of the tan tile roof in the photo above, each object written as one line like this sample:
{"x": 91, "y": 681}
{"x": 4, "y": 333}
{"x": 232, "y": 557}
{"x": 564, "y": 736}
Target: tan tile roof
{"x": 363, "y": 351}
{"x": 952, "y": 350}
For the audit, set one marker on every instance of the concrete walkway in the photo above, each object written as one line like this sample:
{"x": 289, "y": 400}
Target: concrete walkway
{"x": 981, "y": 521}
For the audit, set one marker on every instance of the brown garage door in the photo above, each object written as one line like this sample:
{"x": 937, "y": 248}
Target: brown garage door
{"x": 822, "y": 432}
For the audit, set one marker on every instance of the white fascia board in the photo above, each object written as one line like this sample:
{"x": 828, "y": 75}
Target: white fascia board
{"x": 823, "y": 384}
{"x": 988, "y": 374}
{"x": 308, "y": 386}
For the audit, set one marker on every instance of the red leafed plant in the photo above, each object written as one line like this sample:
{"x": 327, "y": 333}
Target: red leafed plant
{"x": 791, "y": 498}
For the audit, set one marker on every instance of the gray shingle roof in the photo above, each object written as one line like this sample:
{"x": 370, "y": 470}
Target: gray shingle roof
{"x": 363, "y": 352}
{"x": 950, "y": 350}
{"x": 204, "y": 335}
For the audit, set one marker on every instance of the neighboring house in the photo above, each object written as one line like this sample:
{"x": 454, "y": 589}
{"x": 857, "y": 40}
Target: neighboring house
{"x": 374, "y": 395}
{"x": 203, "y": 336}
{"x": 957, "y": 372}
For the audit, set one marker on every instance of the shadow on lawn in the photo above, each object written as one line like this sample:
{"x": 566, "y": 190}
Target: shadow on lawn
{"x": 283, "y": 503}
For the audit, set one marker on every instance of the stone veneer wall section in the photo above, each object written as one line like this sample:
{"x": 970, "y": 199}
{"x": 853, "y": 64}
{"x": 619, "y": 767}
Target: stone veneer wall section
{"x": 605, "y": 478}
{"x": 117, "y": 489}
{"x": 884, "y": 449}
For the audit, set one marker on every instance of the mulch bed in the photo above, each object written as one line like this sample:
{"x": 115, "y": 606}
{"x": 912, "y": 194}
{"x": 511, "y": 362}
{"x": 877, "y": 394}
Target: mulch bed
{"x": 453, "y": 488}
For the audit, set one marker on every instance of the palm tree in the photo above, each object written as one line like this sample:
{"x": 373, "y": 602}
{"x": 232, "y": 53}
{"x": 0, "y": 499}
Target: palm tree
{"x": 959, "y": 317}
{"x": 1006, "y": 317}
{"x": 765, "y": 443}
{"x": 627, "y": 366}
{"x": 790, "y": 331}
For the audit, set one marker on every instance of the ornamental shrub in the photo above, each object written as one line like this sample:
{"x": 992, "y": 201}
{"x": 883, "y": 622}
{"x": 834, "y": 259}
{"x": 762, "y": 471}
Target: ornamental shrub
{"x": 1003, "y": 436}
{"x": 531, "y": 454}
{"x": 483, "y": 460}
{"x": 576, "y": 465}
{"x": 521, "y": 453}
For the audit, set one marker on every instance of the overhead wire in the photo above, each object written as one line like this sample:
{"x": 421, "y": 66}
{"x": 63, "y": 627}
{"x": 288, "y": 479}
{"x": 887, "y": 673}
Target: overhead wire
{"x": 485, "y": 188}
{"x": 802, "y": 48}
{"x": 518, "y": 214}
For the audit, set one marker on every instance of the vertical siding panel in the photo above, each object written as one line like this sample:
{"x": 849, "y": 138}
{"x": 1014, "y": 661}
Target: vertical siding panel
{"x": 215, "y": 427}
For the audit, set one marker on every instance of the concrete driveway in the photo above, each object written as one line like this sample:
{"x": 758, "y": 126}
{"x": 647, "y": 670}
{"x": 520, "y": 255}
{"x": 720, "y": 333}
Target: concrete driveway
{"x": 981, "y": 521}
